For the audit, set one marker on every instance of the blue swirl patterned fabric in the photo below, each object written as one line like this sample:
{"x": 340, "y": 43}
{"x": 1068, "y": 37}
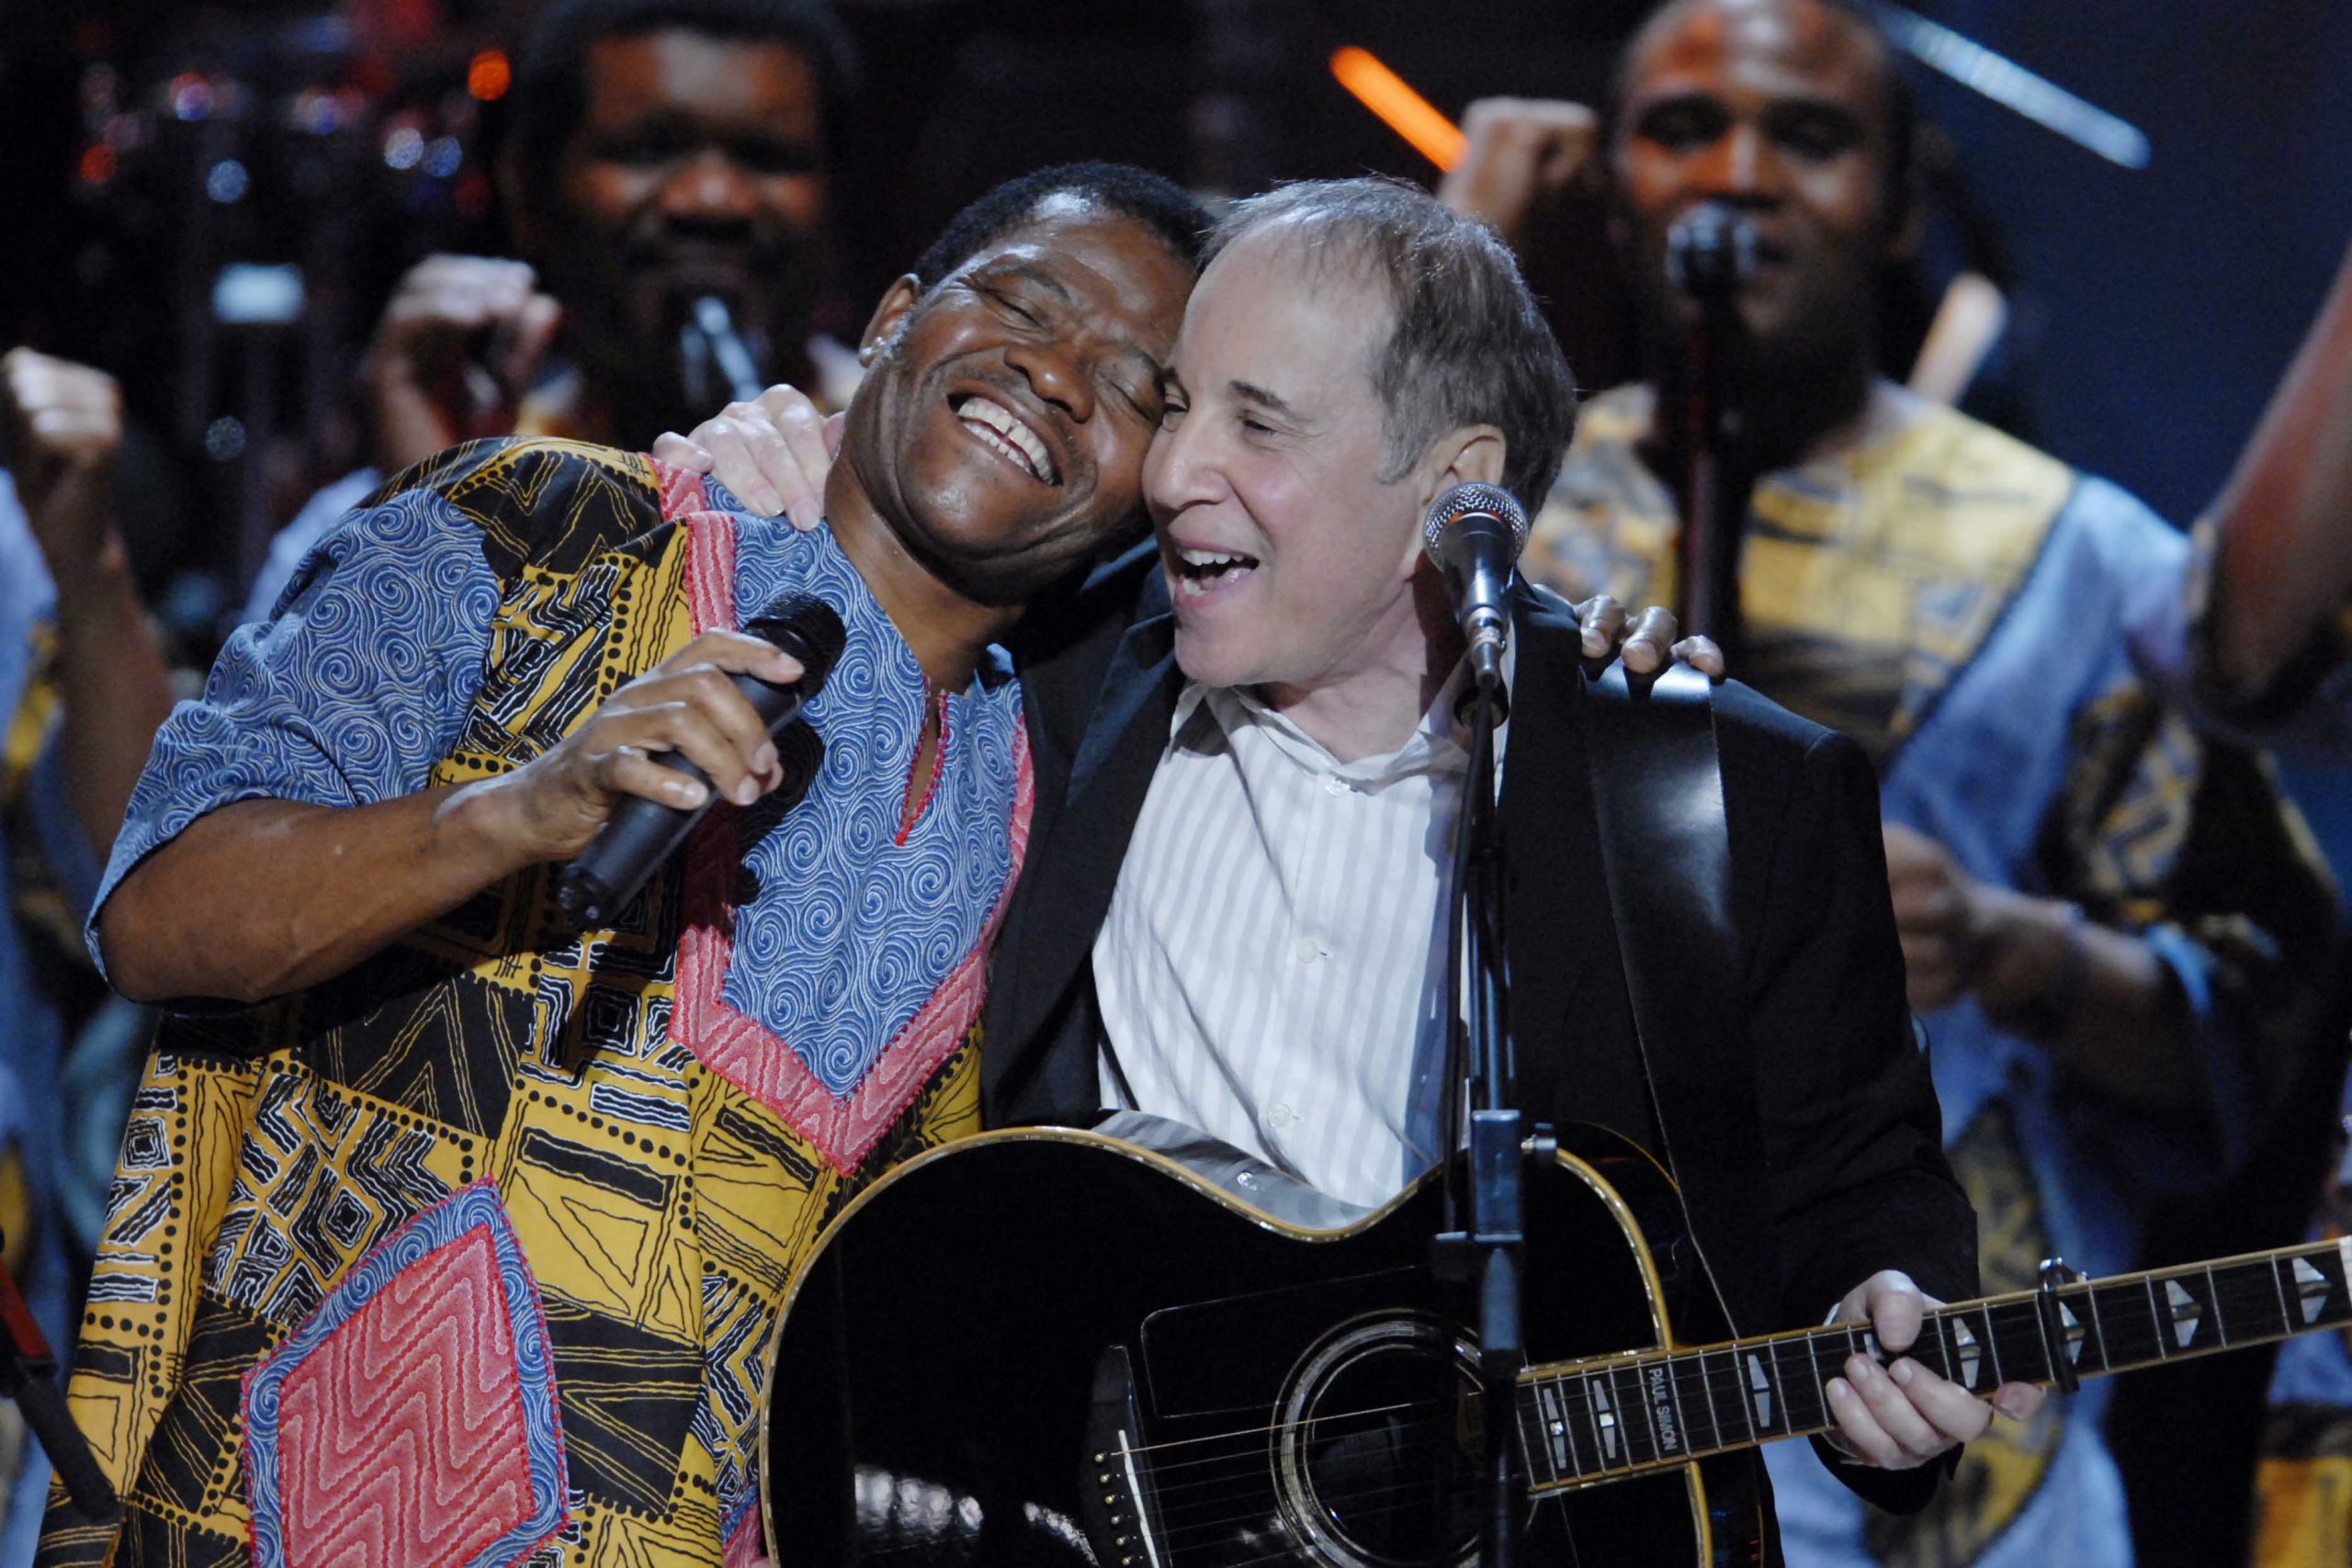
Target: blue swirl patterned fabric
{"x": 348, "y": 698}
{"x": 837, "y": 965}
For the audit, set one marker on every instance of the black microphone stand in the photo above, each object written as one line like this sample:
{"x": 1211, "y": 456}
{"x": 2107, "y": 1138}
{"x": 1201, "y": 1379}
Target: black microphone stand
{"x": 1490, "y": 1251}
{"x": 29, "y": 1379}
{"x": 1710, "y": 253}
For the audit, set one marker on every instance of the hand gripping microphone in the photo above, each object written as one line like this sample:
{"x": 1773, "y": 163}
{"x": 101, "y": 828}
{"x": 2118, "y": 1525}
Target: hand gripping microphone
{"x": 642, "y": 834}
{"x": 1475, "y": 533}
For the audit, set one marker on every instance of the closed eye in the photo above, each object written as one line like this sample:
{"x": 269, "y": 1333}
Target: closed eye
{"x": 1012, "y": 307}
{"x": 1139, "y": 398}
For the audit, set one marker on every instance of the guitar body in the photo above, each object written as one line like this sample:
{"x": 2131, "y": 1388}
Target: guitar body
{"x": 1048, "y": 1346}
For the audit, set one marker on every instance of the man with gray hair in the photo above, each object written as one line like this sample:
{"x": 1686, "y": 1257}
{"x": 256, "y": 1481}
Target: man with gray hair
{"x": 1240, "y": 924}
{"x": 1234, "y": 920}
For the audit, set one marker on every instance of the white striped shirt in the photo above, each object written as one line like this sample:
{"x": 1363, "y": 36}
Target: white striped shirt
{"x": 1272, "y": 968}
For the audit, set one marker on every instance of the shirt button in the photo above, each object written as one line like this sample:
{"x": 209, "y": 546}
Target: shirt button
{"x": 1334, "y": 784}
{"x": 1279, "y": 1116}
{"x": 1306, "y": 950}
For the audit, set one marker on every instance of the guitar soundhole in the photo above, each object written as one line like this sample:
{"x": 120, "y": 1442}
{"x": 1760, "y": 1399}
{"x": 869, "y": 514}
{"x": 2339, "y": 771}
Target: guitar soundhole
{"x": 1375, "y": 1445}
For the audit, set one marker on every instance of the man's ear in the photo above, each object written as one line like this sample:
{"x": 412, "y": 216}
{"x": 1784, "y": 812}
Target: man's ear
{"x": 1471, "y": 453}
{"x": 889, "y": 317}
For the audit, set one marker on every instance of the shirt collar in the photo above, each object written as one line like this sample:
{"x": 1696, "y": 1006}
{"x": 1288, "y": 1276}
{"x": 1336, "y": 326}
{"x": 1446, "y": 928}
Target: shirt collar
{"x": 1437, "y": 745}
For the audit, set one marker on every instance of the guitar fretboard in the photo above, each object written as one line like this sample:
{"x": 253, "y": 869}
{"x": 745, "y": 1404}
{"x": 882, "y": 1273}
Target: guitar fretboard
{"x": 1615, "y": 1415}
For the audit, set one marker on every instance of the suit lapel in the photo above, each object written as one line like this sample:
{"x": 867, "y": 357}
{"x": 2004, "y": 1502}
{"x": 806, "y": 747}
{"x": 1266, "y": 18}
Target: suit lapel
{"x": 1067, "y": 887}
{"x": 1566, "y": 994}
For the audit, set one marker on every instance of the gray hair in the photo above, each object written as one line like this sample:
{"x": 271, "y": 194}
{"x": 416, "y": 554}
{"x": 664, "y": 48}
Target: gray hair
{"x": 1468, "y": 346}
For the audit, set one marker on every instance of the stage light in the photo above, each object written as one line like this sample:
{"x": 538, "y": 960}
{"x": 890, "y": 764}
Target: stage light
{"x": 1403, "y": 110}
{"x": 489, "y": 75}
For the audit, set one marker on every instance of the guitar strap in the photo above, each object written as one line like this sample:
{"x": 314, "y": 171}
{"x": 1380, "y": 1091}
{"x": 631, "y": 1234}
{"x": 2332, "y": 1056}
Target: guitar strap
{"x": 1658, "y": 794}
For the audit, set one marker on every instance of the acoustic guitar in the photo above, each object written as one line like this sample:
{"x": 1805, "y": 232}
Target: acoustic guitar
{"x": 1135, "y": 1348}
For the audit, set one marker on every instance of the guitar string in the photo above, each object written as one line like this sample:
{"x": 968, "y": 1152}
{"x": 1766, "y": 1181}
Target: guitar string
{"x": 1343, "y": 1503}
{"x": 1356, "y": 1503}
{"x": 2013, "y": 1327}
{"x": 1181, "y": 1521}
{"x": 1699, "y": 1383}
{"x": 2249, "y": 1295}
{"x": 1686, "y": 1369}
{"x": 1340, "y": 1500}
{"x": 1270, "y": 1511}
{"x": 1250, "y": 1456}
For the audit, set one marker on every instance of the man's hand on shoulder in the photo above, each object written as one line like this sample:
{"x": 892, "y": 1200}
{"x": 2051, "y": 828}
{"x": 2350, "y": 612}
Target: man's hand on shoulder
{"x": 1900, "y": 1416}
{"x": 549, "y": 809}
{"x": 774, "y": 453}
{"x": 1646, "y": 642}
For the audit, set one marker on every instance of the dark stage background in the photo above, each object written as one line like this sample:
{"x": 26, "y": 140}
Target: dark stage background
{"x": 2154, "y": 307}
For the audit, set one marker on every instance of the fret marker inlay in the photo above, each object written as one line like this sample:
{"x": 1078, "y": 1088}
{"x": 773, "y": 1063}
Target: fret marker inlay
{"x": 1556, "y": 1428}
{"x": 2311, "y": 1291}
{"x": 1762, "y": 1386}
{"x": 2185, "y": 1312}
{"x": 1968, "y": 1353}
{"x": 2074, "y": 1329}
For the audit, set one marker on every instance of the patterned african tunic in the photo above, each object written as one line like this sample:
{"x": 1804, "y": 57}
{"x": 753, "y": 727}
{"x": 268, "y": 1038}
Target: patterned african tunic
{"x": 471, "y": 1255}
{"x": 1973, "y": 611}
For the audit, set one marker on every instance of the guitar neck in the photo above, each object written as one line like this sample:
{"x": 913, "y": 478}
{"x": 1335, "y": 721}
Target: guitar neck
{"x": 1614, "y": 1416}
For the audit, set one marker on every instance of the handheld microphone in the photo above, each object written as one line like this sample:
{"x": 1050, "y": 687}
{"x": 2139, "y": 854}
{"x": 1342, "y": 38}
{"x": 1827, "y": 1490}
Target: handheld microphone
{"x": 642, "y": 834}
{"x": 1475, "y": 533}
{"x": 1710, "y": 252}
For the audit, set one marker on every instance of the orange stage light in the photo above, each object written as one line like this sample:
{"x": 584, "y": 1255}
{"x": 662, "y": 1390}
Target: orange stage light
{"x": 1403, "y": 110}
{"x": 489, "y": 75}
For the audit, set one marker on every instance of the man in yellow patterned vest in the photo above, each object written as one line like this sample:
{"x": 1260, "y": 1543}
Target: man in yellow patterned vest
{"x": 2115, "y": 929}
{"x": 443, "y": 1233}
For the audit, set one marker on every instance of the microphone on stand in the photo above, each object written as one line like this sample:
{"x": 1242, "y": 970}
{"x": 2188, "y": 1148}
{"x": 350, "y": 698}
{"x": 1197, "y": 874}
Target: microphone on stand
{"x": 706, "y": 338}
{"x": 1710, "y": 253}
{"x": 1474, "y": 532}
{"x": 642, "y": 834}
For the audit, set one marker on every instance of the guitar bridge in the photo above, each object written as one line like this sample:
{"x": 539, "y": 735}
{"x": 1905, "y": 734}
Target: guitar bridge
{"x": 1116, "y": 1480}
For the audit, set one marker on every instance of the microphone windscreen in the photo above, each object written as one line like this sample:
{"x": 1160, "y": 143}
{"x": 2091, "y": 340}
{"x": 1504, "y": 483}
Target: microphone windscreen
{"x": 808, "y": 628}
{"x": 1474, "y": 499}
{"x": 1710, "y": 252}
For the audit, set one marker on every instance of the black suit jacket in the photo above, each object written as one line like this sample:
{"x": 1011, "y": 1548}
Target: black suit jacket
{"x": 1854, "y": 1178}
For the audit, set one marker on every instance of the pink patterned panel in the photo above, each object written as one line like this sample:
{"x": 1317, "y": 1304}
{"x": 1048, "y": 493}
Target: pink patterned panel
{"x": 402, "y": 1436}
